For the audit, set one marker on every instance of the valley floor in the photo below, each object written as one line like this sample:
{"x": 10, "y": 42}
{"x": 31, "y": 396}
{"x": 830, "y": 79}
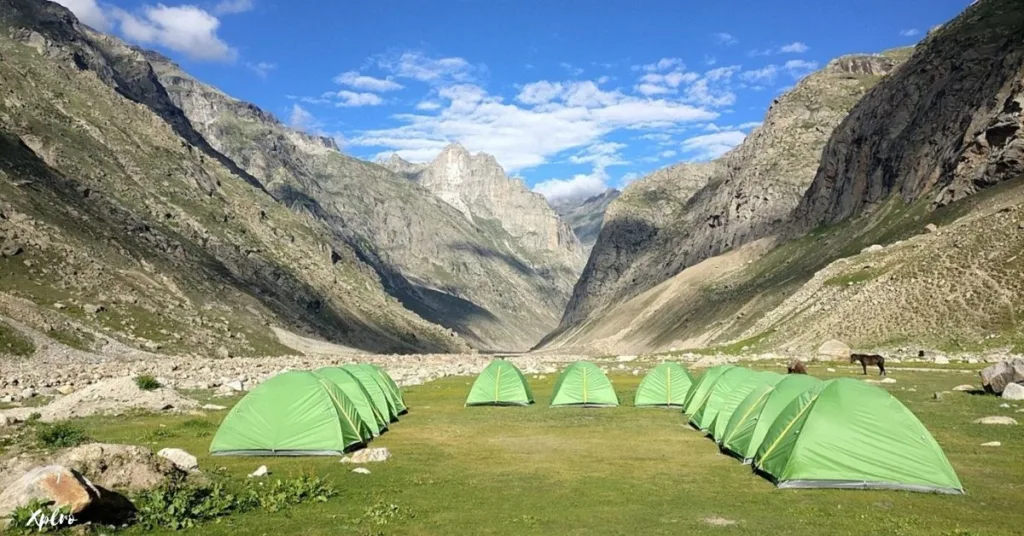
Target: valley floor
{"x": 539, "y": 470}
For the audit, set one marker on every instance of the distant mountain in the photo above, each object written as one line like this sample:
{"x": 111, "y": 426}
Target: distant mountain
{"x": 585, "y": 215}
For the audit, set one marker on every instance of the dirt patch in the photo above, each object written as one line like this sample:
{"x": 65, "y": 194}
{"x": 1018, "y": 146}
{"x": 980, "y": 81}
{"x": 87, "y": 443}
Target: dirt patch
{"x": 109, "y": 397}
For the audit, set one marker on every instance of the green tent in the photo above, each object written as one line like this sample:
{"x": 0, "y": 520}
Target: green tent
{"x": 704, "y": 414}
{"x": 757, "y": 412}
{"x": 292, "y": 414}
{"x": 700, "y": 389}
{"x": 665, "y": 386}
{"x": 372, "y": 386}
{"x": 583, "y": 384}
{"x": 850, "y": 434}
{"x": 357, "y": 393}
{"x": 391, "y": 387}
{"x": 500, "y": 384}
{"x": 393, "y": 400}
{"x": 735, "y": 397}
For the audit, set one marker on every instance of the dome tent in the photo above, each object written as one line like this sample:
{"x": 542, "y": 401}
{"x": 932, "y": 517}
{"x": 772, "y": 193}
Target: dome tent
{"x": 296, "y": 413}
{"x": 704, "y": 415}
{"x": 752, "y": 418}
{"x": 583, "y": 384}
{"x": 666, "y": 385}
{"x": 391, "y": 388}
{"x": 373, "y": 387}
{"x": 357, "y": 393}
{"x": 735, "y": 397}
{"x": 701, "y": 388}
{"x": 850, "y": 434}
{"x": 500, "y": 384}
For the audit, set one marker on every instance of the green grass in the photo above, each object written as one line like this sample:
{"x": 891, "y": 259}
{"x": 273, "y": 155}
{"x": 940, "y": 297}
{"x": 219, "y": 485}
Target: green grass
{"x": 539, "y": 470}
{"x": 147, "y": 382}
{"x": 14, "y": 343}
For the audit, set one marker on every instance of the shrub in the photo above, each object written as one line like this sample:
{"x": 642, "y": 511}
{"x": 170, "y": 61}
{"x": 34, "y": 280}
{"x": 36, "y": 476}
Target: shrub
{"x": 178, "y": 506}
{"x": 22, "y": 522}
{"x": 147, "y": 383}
{"x": 61, "y": 435}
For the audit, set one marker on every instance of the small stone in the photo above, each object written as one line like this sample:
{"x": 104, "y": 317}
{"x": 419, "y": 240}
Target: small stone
{"x": 213, "y": 407}
{"x": 625, "y": 358}
{"x": 965, "y": 388}
{"x": 65, "y": 389}
{"x": 361, "y": 470}
{"x": 872, "y": 249}
{"x": 181, "y": 459}
{"x": 223, "y": 352}
{"x": 992, "y": 444}
{"x": 931, "y": 228}
{"x": 28, "y": 393}
{"x": 261, "y": 471}
{"x": 887, "y": 380}
{"x": 1004, "y": 405}
{"x": 369, "y": 455}
{"x": 996, "y": 419}
{"x": 941, "y": 360}
{"x": 93, "y": 309}
{"x": 937, "y": 395}
{"x": 830, "y": 369}
{"x": 59, "y": 306}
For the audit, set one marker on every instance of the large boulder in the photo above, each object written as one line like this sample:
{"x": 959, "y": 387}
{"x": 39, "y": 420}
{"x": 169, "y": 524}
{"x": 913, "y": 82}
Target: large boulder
{"x": 56, "y": 484}
{"x": 126, "y": 468}
{"x": 833, "y": 350}
{"x": 1014, "y": 391}
{"x": 996, "y": 377}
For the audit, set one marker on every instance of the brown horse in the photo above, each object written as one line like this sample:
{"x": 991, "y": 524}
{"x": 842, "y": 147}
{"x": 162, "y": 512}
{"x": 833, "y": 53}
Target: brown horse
{"x": 796, "y": 367}
{"x": 869, "y": 359}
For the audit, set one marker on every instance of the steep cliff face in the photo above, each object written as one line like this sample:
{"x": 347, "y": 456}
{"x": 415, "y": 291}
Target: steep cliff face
{"x": 586, "y": 215}
{"x": 494, "y": 281}
{"x": 686, "y": 213}
{"x": 948, "y": 124}
{"x": 120, "y": 225}
{"x": 477, "y": 186}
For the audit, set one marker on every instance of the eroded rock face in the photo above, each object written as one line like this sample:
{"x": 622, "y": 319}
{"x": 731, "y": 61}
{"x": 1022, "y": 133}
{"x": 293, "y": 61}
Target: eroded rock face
{"x": 944, "y": 126}
{"x": 681, "y": 215}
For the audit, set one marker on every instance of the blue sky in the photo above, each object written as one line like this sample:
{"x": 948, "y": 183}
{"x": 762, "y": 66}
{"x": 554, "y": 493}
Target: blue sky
{"x": 571, "y": 95}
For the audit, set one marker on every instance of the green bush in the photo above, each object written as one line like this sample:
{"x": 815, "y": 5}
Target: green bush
{"x": 21, "y": 521}
{"x": 179, "y": 507}
{"x": 61, "y": 435}
{"x": 147, "y": 383}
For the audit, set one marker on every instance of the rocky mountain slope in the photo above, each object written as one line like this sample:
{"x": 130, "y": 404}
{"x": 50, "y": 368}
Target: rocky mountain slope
{"x": 477, "y": 186}
{"x": 123, "y": 228}
{"x": 681, "y": 215}
{"x": 921, "y": 151}
{"x": 488, "y": 277}
{"x": 586, "y": 215}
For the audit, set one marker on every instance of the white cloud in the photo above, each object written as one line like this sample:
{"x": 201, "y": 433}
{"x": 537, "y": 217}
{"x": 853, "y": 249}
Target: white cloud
{"x": 89, "y": 12}
{"x": 725, "y": 38}
{"x": 428, "y": 106}
{"x": 628, "y": 178}
{"x": 262, "y": 69}
{"x": 661, "y": 84}
{"x": 301, "y": 119}
{"x": 541, "y": 92}
{"x": 749, "y": 125}
{"x": 710, "y": 146}
{"x": 578, "y": 187}
{"x": 652, "y": 89}
{"x": 352, "y": 99}
{"x": 759, "y": 52}
{"x": 578, "y": 115}
{"x": 417, "y": 66}
{"x": 186, "y": 29}
{"x": 764, "y": 75}
{"x": 660, "y": 137}
{"x": 911, "y": 32}
{"x": 795, "y": 47}
{"x": 710, "y": 60}
{"x": 571, "y": 69}
{"x": 227, "y": 7}
{"x": 800, "y": 68}
{"x": 665, "y": 64}
{"x": 366, "y": 83}
{"x": 667, "y": 154}
{"x": 713, "y": 89}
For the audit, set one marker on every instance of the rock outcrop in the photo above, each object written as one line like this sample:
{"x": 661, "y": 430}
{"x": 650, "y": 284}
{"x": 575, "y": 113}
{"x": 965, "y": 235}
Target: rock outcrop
{"x": 586, "y": 215}
{"x": 478, "y": 187}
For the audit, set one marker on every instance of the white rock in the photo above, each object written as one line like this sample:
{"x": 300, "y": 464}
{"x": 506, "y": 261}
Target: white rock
{"x": 964, "y": 387}
{"x": 941, "y": 360}
{"x": 1004, "y": 405}
{"x": 872, "y": 249}
{"x": 28, "y": 393}
{"x": 236, "y": 386}
{"x": 181, "y": 459}
{"x": 213, "y": 407}
{"x": 261, "y": 471}
{"x": 361, "y": 470}
{"x": 996, "y": 419}
{"x": 888, "y": 380}
{"x": 370, "y": 455}
{"x": 830, "y": 369}
{"x": 1013, "y": 391}
{"x": 625, "y": 358}
{"x": 992, "y": 444}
